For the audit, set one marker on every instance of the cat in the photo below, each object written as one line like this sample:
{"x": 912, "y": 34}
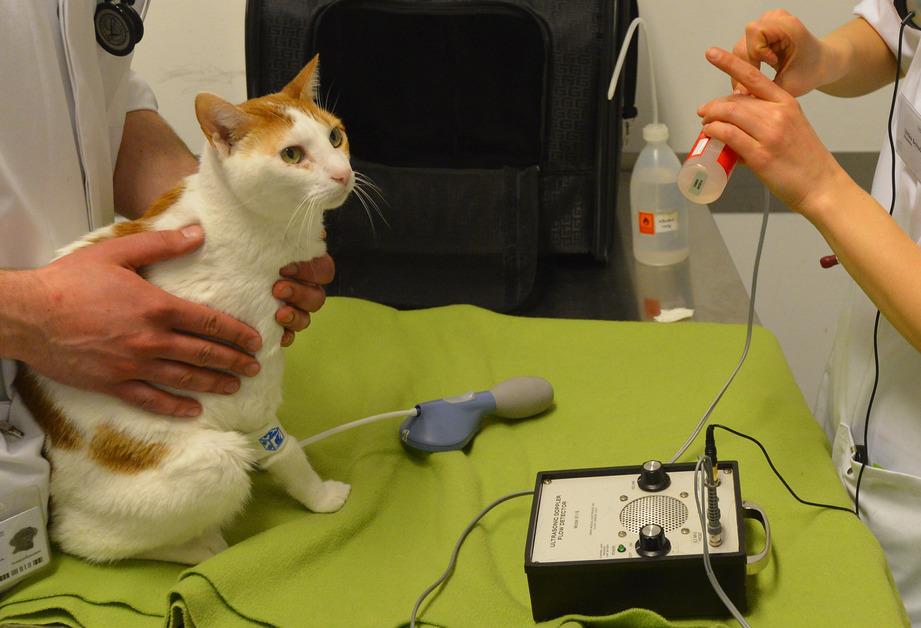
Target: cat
{"x": 126, "y": 483}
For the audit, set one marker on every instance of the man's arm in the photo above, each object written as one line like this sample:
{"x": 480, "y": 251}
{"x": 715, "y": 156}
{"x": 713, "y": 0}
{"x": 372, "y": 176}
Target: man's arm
{"x": 151, "y": 161}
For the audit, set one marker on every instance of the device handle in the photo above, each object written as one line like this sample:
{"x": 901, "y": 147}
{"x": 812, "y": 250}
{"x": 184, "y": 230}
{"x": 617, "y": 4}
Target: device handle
{"x": 756, "y": 562}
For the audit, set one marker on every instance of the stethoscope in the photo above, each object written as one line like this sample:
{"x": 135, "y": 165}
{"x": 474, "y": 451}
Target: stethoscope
{"x": 119, "y": 27}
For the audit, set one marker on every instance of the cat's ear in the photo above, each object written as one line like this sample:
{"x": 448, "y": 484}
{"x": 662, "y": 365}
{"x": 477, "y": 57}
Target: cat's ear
{"x": 305, "y": 85}
{"x": 222, "y": 123}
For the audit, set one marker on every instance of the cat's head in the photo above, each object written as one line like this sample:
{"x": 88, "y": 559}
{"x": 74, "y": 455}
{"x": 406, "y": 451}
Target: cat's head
{"x": 280, "y": 153}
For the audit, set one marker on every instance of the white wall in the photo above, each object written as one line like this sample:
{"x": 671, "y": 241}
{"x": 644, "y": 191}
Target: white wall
{"x": 192, "y": 47}
{"x": 797, "y": 299}
{"x": 197, "y": 46}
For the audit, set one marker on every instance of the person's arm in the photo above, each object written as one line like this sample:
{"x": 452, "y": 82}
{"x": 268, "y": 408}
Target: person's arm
{"x": 770, "y": 133}
{"x": 860, "y": 62}
{"x": 152, "y": 159}
{"x": 883, "y": 260}
{"x": 852, "y": 60}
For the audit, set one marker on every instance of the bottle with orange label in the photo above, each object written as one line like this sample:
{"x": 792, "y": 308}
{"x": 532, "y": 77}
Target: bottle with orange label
{"x": 707, "y": 169}
{"x": 659, "y": 212}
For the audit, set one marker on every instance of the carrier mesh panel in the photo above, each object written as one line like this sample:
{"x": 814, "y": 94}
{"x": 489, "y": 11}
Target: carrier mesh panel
{"x": 483, "y": 255}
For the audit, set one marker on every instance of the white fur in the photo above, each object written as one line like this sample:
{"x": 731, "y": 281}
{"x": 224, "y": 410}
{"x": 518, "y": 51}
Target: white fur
{"x": 244, "y": 201}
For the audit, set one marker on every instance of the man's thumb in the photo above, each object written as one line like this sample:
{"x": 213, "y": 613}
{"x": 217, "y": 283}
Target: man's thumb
{"x": 142, "y": 249}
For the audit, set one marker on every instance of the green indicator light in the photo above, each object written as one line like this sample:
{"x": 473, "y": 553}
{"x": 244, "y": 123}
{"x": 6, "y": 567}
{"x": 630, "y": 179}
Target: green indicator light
{"x": 621, "y": 549}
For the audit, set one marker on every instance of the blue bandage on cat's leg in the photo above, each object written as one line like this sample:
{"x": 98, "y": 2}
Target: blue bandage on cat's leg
{"x": 290, "y": 467}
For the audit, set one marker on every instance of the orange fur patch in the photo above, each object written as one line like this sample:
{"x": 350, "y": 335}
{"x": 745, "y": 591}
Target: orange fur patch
{"x": 273, "y": 123}
{"x": 61, "y": 432}
{"x": 121, "y": 453}
{"x": 164, "y": 202}
{"x": 142, "y": 224}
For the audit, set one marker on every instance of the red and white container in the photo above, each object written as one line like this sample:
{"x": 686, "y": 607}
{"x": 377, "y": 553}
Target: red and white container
{"x": 706, "y": 171}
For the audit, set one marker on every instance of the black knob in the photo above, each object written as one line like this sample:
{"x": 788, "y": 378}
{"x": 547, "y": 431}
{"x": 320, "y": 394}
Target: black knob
{"x": 653, "y": 477}
{"x": 652, "y": 541}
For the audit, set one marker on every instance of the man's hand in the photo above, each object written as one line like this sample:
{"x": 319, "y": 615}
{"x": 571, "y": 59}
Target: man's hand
{"x": 90, "y": 321}
{"x": 302, "y": 291}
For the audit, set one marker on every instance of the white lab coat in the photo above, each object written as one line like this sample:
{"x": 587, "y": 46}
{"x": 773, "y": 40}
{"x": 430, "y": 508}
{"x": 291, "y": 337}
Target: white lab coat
{"x": 890, "y": 494}
{"x": 62, "y": 112}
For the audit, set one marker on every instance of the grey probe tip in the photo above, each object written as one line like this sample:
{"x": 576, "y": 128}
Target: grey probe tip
{"x": 521, "y": 397}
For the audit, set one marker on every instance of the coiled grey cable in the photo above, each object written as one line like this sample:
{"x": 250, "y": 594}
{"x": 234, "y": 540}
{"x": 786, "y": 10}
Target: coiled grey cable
{"x": 699, "y": 477}
{"x": 748, "y": 333}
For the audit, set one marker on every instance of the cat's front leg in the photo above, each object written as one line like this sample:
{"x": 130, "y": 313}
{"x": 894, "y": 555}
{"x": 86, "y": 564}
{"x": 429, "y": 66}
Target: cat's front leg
{"x": 290, "y": 467}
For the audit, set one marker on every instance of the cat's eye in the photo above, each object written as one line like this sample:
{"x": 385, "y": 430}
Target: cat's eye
{"x": 292, "y": 154}
{"x": 335, "y": 137}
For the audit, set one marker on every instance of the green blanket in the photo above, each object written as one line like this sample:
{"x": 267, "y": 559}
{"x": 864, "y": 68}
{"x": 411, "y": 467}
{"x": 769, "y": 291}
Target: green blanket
{"x": 625, "y": 393}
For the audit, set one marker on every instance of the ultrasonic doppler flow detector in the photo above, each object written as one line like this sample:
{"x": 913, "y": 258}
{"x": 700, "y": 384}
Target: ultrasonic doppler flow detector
{"x": 604, "y": 540}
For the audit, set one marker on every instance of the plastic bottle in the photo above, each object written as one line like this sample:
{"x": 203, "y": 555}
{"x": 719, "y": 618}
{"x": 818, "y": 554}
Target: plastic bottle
{"x": 659, "y": 212}
{"x": 707, "y": 169}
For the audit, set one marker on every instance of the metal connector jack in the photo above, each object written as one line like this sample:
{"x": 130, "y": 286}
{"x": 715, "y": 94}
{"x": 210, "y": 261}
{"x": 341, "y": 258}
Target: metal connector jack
{"x": 714, "y": 527}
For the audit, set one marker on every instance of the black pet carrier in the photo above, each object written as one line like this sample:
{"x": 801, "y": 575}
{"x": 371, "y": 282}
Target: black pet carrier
{"x": 484, "y": 124}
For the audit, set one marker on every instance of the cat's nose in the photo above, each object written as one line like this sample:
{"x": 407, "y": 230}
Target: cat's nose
{"x": 341, "y": 176}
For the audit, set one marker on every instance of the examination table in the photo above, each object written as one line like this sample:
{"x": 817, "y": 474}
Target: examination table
{"x": 625, "y": 393}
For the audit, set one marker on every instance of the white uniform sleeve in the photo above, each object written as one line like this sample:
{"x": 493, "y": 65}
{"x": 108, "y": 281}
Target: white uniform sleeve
{"x": 882, "y": 16}
{"x": 140, "y": 96}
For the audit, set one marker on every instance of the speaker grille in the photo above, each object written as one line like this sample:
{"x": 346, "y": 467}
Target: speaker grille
{"x": 668, "y": 512}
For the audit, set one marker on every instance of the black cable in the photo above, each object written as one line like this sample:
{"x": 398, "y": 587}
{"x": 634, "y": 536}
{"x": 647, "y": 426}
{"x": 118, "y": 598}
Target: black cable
{"x": 865, "y": 454}
{"x": 776, "y": 472}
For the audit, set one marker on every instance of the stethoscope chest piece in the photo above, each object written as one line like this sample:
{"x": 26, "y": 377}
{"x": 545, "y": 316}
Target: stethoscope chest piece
{"x": 118, "y": 26}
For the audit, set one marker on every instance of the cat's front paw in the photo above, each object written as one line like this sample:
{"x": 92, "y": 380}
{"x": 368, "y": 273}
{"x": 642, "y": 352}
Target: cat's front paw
{"x": 330, "y": 497}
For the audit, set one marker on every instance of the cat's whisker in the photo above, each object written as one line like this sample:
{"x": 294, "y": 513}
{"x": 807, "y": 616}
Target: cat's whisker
{"x": 372, "y": 186}
{"x": 329, "y": 93}
{"x": 314, "y": 216}
{"x": 360, "y": 195}
{"x": 374, "y": 204}
{"x": 298, "y": 215}
{"x": 309, "y": 214}
{"x": 297, "y": 208}
{"x": 294, "y": 214}
{"x": 368, "y": 180}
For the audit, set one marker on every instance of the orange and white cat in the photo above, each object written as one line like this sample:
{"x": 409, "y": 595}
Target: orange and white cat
{"x": 127, "y": 483}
